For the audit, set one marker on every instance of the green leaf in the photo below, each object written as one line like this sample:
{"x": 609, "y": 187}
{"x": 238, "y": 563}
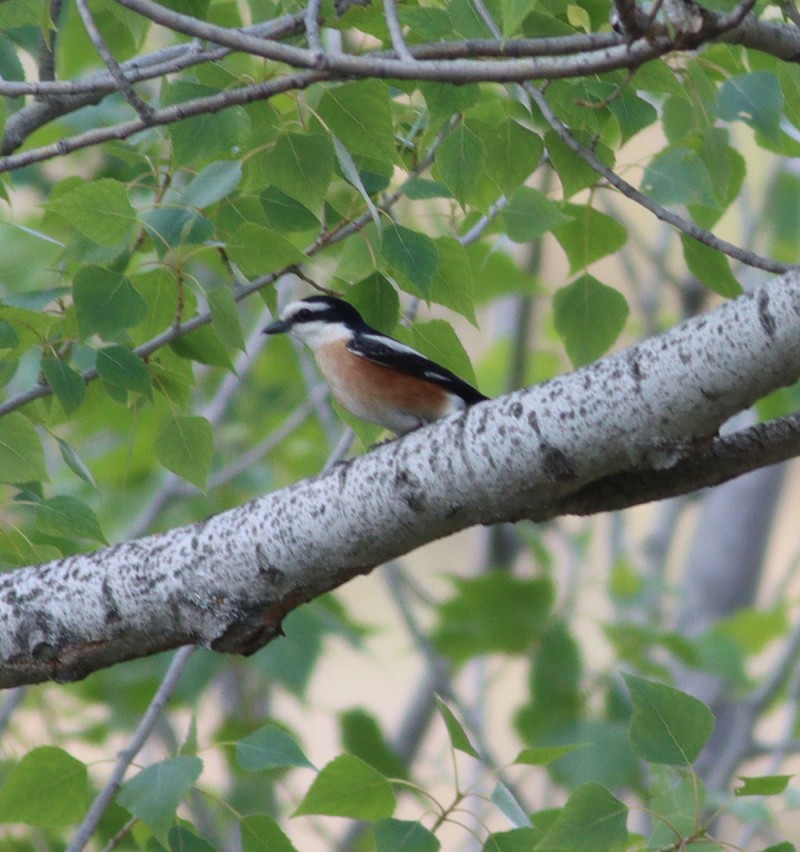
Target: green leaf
{"x": 75, "y": 462}
{"x": 593, "y": 820}
{"x": 667, "y": 725}
{"x": 588, "y": 317}
{"x": 679, "y": 802}
{"x": 360, "y": 115}
{"x": 260, "y": 833}
{"x": 437, "y": 340}
{"x": 259, "y": 250}
{"x": 453, "y": 285}
{"x": 512, "y": 155}
{"x": 169, "y": 227}
{"x": 212, "y": 184}
{"x": 124, "y": 369}
{"x": 21, "y": 453}
{"x": 270, "y": 747}
{"x": 754, "y": 629}
{"x": 531, "y": 214}
{"x": 225, "y": 315}
{"x": 301, "y": 165}
{"x": 412, "y": 254}
{"x": 395, "y": 835}
{"x": 516, "y": 840}
{"x": 632, "y": 113}
{"x": 459, "y": 159}
{"x": 185, "y": 446}
{"x": 105, "y": 302}
{"x": 542, "y": 755}
{"x": 514, "y": 13}
{"x": 679, "y": 176}
{"x": 180, "y": 839}
{"x": 349, "y": 787}
{"x": 9, "y": 339}
{"x": 446, "y": 99}
{"x": 284, "y": 213}
{"x": 458, "y": 736}
{"x": 362, "y": 736}
{"x": 377, "y": 301}
{"x": 204, "y": 346}
{"x": 207, "y": 137}
{"x": 48, "y": 788}
{"x": 68, "y": 517}
{"x": 755, "y": 98}
{"x": 509, "y": 806}
{"x": 155, "y": 793}
{"x": 99, "y": 209}
{"x": 762, "y": 785}
{"x": 573, "y": 171}
{"x": 588, "y": 236}
{"x": 498, "y": 613}
{"x": 711, "y": 267}
{"x": 67, "y": 385}
{"x": 421, "y": 189}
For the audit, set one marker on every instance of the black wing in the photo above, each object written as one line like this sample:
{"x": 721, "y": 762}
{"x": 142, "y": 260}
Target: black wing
{"x": 391, "y": 353}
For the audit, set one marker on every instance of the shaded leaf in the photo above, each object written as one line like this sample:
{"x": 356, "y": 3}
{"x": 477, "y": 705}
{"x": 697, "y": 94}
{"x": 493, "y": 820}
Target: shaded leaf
{"x": 395, "y": 835}
{"x": 185, "y": 446}
{"x": 99, "y": 209}
{"x": 21, "y": 453}
{"x": 122, "y": 368}
{"x": 105, "y": 302}
{"x": 588, "y": 317}
{"x": 68, "y": 517}
{"x": 67, "y": 385}
{"x": 412, "y": 254}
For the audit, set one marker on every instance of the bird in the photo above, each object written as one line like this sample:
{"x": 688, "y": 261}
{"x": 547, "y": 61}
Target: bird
{"x": 372, "y": 375}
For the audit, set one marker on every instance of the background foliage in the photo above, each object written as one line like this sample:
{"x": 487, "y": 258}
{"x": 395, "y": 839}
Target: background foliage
{"x": 136, "y": 274}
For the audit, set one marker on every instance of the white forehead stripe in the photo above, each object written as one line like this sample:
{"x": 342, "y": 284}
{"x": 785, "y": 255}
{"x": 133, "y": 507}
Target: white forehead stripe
{"x": 293, "y": 308}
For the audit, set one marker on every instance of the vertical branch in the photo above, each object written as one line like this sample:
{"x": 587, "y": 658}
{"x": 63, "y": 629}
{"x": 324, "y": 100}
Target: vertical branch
{"x": 144, "y": 110}
{"x": 47, "y": 43}
{"x": 126, "y": 756}
{"x": 395, "y": 31}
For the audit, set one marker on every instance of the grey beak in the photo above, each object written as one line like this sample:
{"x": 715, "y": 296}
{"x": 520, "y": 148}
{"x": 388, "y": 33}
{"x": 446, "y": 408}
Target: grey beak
{"x": 277, "y": 327}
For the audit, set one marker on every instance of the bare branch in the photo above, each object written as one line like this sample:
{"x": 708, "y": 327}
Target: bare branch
{"x": 395, "y": 31}
{"x": 126, "y": 756}
{"x": 47, "y": 44}
{"x": 143, "y": 109}
{"x": 312, "y": 18}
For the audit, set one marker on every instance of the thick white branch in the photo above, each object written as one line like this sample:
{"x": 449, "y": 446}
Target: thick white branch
{"x": 228, "y": 582}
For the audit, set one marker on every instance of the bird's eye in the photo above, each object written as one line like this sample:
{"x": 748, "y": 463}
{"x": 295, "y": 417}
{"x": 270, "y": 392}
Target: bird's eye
{"x": 304, "y": 315}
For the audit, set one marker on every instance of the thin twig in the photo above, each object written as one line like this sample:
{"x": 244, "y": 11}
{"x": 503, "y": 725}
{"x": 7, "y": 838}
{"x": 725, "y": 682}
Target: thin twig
{"x": 396, "y": 31}
{"x": 47, "y": 44}
{"x": 123, "y": 84}
{"x": 140, "y": 735}
{"x": 312, "y": 19}
{"x": 749, "y": 258}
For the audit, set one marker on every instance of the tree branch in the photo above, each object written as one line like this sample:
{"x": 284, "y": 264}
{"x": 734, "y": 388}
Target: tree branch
{"x": 228, "y": 582}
